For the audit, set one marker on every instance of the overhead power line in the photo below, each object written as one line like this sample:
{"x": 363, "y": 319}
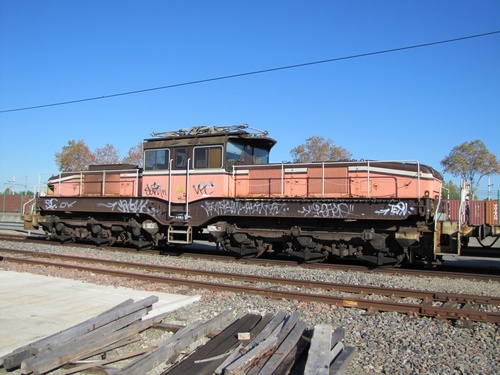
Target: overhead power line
{"x": 253, "y": 72}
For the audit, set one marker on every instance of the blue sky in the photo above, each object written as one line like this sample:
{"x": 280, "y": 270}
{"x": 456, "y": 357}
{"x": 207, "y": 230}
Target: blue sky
{"x": 415, "y": 104}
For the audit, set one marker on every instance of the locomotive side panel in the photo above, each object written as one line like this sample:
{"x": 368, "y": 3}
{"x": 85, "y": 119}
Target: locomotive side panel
{"x": 334, "y": 180}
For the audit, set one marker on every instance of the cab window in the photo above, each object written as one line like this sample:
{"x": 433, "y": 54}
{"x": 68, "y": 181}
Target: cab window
{"x": 156, "y": 159}
{"x": 235, "y": 153}
{"x": 181, "y": 157}
{"x": 260, "y": 156}
{"x": 208, "y": 157}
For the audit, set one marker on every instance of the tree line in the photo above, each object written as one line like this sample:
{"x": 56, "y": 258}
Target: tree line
{"x": 77, "y": 156}
{"x": 471, "y": 161}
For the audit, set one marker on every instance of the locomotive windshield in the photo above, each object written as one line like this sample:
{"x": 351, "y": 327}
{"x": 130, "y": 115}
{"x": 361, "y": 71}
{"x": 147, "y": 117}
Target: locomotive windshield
{"x": 239, "y": 153}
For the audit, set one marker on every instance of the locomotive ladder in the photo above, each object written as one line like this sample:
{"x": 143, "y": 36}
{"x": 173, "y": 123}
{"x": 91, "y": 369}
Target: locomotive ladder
{"x": 179, "y": 234}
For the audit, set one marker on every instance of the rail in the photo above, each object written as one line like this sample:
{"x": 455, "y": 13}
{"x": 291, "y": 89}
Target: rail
{"x": 426, "y": 303}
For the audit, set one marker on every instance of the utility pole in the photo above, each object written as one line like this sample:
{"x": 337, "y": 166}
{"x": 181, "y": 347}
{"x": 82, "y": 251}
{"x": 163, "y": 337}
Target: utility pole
{"x": 490, "y": 185}
{"x": 11, "y": 185}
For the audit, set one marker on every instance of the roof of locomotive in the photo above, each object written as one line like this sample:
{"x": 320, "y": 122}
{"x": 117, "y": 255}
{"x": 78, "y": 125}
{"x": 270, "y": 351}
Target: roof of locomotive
{"x": 408, "y": 166}
{"x": 208, "y": 135}
{"x": 393, "y": 166}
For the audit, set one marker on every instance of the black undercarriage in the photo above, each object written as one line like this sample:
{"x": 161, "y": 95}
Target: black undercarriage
{"x": 380, "y": 243}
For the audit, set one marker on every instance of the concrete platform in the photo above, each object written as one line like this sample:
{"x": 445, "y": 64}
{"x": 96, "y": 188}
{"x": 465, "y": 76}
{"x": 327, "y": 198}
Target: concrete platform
{"x": 35, "y": 306}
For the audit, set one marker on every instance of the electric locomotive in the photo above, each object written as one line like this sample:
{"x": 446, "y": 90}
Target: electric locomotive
{"x": 217, "y": 184}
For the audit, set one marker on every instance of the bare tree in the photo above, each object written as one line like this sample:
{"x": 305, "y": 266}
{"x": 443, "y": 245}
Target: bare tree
{"x": 76, "y": 156}
{"x": 135, "y": 155}
{"x": 106, "y": 155}
{"x": 318, "y": 148}
{"x": 471, "y": 161}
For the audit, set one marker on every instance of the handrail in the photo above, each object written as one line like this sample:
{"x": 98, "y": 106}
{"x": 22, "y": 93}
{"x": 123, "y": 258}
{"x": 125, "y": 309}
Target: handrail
{"x": 418, "y": 181}
{"x": 368, "y": 166}
{"x": 170, "y": 188}
{"x": 282, "y": 180}
{"x": 323, "y": 180}
{"x": 32, "y": 201}
{"x": 59, "y": 177}
{"x": 438, "y": 207}
{"x": 187, "y": 189}
{"x": 368, "y": 186}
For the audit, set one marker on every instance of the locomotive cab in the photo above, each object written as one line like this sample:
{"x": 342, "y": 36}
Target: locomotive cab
{"x": 207, "y": 147}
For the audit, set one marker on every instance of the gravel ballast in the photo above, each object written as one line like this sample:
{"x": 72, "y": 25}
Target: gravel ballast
{"x": 388, "y": 343}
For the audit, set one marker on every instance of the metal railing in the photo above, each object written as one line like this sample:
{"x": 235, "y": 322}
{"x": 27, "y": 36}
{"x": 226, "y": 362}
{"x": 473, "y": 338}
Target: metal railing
{"x": 81, "y": 180}
{"x": 369, "y": 167}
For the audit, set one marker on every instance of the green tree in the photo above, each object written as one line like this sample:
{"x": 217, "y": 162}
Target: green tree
{"x": 318, "y": 148}
{"x": 135, "y": 155}
{"x": 471, "y": 161}
{"x": 75, "y": 156}
{"x": 450, "y": 190}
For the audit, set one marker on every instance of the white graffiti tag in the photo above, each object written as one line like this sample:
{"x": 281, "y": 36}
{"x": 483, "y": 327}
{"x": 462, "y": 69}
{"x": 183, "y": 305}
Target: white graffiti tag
{"x": 335, "y": 210}
{"x": 227, "y": 207}
{"x": 399, "y": 209}
{"x": 131, "y": 206}
{"x": 54, "y": 204}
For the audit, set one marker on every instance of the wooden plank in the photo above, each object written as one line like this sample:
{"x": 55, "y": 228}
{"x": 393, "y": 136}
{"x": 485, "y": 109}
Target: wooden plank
{"x": 101, "y": 322}
{"x": 73, "y": 348}
{"x": 182, "y": 339}
{"x": 276, "y": 321}
{"x": 318, "y": 358}
{"x": 243, "y": 363}
{"x": 336, "y": 350}
{"x": 337, "y": 335}
{"x": 266, "y": 319}
{"x": 231, "y": 358}
{"x": 288, "y": 325}
{"x": 116, "y": 345}
{"x": 284, "y": 349}
{"x": 223, "y": 343}
{"x": 339, "y": 366}
{"x": 51, "y": 359}
{"x": 169, "y": 327}
{"x": 271, "y": 330}
{"x": 114, "y": 371}
{"x": 15, "y": 358}
{"x": 264, "y": 348}
{"x": 106, "y": 361}
{"x": 293, "y": 357}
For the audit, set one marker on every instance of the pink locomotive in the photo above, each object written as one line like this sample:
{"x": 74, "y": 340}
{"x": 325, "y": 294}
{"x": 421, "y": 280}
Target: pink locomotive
{"x": 217, "y": 184}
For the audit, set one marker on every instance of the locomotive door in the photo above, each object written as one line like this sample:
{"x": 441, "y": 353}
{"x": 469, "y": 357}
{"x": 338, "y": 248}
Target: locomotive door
{"x": 178, "y": 194}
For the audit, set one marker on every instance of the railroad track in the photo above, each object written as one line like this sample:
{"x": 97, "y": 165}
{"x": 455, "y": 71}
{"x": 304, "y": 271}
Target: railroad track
{"x": 454, "y": 273}
{"x": 424, "y": 303}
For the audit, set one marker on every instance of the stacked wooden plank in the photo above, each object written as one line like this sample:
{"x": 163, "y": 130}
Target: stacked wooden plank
{"x": 253, "y": 344}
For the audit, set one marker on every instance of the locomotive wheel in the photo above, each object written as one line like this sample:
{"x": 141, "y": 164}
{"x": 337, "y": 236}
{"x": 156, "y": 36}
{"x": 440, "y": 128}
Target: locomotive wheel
{"x": 112, "y": 240}
{"x": 243, "y": 251}
{"x": 307, "y": 256}
{"x": 62, "y": 233}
